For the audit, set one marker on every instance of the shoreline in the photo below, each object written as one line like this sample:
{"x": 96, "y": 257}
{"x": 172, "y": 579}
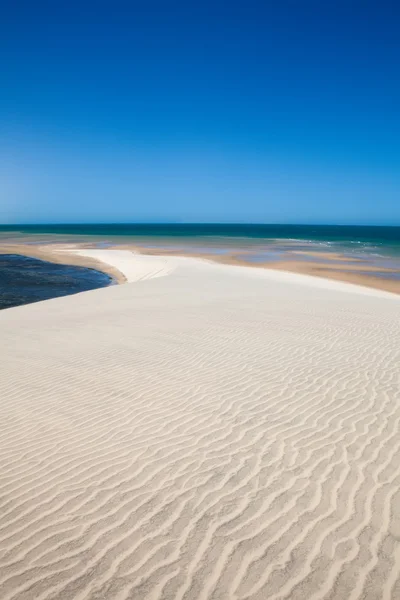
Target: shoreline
{"x": 59, "y": 255}
{"x": 27, "y": 279}
{"x": 85, "y": 255}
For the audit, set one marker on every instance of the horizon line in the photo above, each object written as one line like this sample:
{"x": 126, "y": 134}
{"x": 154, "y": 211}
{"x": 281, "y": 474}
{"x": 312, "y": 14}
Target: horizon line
{"x": 196, "y": 223}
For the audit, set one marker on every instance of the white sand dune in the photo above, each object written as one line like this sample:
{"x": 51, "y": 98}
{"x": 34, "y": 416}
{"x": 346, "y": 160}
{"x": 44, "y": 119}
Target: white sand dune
{"x": 211, "y": 434}
{"x": 133, "y": 266}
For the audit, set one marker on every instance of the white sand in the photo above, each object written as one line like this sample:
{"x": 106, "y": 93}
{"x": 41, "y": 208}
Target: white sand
{"x": 134, "y": 267}
{"x": 216, "y": 433}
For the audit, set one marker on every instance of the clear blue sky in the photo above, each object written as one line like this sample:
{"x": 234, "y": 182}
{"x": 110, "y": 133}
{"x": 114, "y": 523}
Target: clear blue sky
{"x": 245, "y": 111}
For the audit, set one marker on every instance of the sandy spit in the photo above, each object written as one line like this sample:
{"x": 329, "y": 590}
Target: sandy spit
{"x": 358, "y": 274}
{"x": 83, "y": 254}
{"x": 212, "y": 433}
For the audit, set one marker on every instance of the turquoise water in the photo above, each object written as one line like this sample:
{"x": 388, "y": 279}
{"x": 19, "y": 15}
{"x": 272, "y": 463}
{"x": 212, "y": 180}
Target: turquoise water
{"x": 385, "y": 239}
{"x": 366, "y": 234}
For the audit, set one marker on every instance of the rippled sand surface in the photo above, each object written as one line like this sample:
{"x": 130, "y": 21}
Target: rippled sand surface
{"x": 213, "y": 433}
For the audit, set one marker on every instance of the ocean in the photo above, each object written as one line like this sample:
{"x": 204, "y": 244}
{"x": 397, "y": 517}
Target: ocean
{"x": 350, "y": 238}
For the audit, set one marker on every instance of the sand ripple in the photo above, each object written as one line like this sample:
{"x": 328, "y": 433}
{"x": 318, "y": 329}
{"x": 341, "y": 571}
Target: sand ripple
{"x": 207, "y": 435}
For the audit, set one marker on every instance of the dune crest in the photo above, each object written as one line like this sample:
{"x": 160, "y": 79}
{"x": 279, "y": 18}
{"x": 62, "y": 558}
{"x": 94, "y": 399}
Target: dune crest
{"x": 134, "y": 267}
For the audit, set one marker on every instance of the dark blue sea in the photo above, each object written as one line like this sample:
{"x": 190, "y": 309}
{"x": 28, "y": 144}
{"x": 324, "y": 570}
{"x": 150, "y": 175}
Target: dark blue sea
{"x": 24, "y": 280}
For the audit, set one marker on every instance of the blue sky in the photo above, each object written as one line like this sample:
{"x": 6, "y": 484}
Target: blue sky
{"x": 280, "y": 112}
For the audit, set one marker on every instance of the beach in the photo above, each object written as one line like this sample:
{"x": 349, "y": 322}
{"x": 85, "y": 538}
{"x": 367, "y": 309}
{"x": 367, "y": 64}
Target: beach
{"x": 202, "y": 431}
{"x": 326, "y": 265}
{"x": 366, "y": 256}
